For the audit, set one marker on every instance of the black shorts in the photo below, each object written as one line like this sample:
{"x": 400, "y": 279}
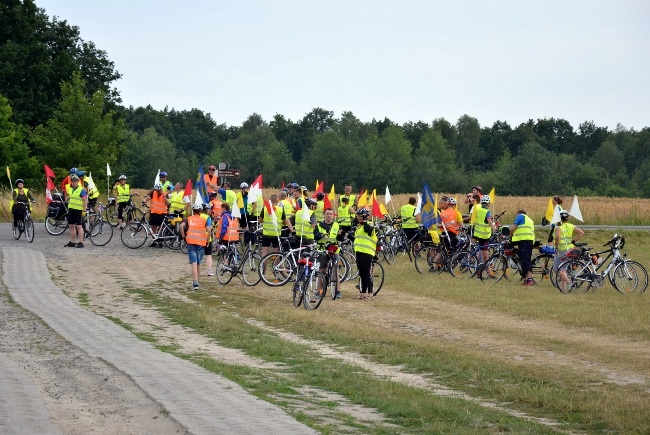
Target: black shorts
{"x": 74, "y": 217}
{"x": 270, "y": 242}
{"x": 482, "y": 243}
{"x": 156, "y": 219}
{"x": 208, "y": 249}
{"x": 92, "y": 202}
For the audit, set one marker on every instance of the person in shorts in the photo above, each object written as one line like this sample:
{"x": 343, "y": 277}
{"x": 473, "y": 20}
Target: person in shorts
{"x": 77, "y": 205}
{"x": 196, "y": 231}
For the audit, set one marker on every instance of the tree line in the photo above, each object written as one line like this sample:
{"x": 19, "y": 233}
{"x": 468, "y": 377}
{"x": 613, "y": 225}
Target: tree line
{"x": 58, "y": 107}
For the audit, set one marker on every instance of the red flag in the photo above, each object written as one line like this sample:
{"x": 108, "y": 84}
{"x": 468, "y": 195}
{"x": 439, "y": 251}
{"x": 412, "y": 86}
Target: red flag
{"x": 321, "y": 187}
{"x": 376, "y": 210}
{"x": 49, "y": 172}
{"x": 48, "y": 196}
{"x": 50, "y": 184}
{"x": 326, "y": 203}
{"x": 258, "y": 182}
{"x": 187, "y": 195}
{"x": 282, "y": 185}
{"x": 269, "y": 210}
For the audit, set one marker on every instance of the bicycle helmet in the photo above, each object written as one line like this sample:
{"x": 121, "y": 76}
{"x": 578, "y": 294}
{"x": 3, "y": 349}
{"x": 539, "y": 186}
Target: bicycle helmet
{"x": 320, "y": 196}
{"x": 74, "y": 177}
{"x": 564, "y": 214}
{"x": 244, "y": 185}
{"x": 451, "y": 201}
{"x": 157, "y": 186}
{"x": 163, "y": 174}
{"x": 363, "y": 212}
{"x": 74, "y": 170}
{"x": 485, "y": 199}
{"x": 122, "y": 177}
{"x": 197, "y": 206}
{"x": 20, "y": 180}
{"x": 309, "y": 202}
{"x": 303, "y": 188}
{"x": 212, "y": 168}
{"x": 81, "y": 173}
{"x": 206, "y": 206}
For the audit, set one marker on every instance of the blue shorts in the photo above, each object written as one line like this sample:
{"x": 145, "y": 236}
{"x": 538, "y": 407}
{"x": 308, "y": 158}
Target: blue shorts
{"x": 195, "y": 253}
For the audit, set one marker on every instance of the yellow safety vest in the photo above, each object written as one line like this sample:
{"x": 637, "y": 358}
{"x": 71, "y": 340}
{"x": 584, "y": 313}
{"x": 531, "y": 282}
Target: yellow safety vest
{"x": 320, "y": 210}
{"x": 328, "y": 236}
{"x": 268, "y": 229}
{"x": 344, "y": 216}
{"x": 76, "y": 201}
{"x": 123, "y": 193}
{"x": 407, "y": 212}
{"x": 176, "y": 202}
{"x": 365, "y": 243}
{"x": 303, "y": 227}
{"x": 482, "y": 230}
{"x": 566, "y": 235}
{"x": 525, "y": 231}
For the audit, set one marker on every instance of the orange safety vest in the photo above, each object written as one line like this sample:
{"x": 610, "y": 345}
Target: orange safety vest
{"x": 196, "y": 232}
{"x": 213, "y": 180}
{"x": 215, "y": 212}
{"x": 232, "y": 232}
{"x": 448, "y": 217}
{"x": 158, "y": 205}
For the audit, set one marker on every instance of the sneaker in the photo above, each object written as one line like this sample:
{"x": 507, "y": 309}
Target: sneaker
{"x": 161, "y": 245}
{"x": 80, "y": 245}
{"x": 70, "y": 245}
{"x": 529, "y": 283}
{"x": 195, "y": 287}
{"x": 153, "y": 244}
{"x": 337, "y": 295}
{"x": 210, "y": 273}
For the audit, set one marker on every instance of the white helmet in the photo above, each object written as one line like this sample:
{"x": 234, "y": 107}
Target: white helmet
{"x": 157, "y": 186}
{"x": 197, "y": 206}
{"x": 244, "y": 185}
{"x": 485, "y": 199}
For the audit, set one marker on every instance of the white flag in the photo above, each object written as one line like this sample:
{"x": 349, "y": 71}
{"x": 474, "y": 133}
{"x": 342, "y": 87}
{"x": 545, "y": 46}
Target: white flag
{"x": 387, "y": 197}
{"x": 235, "y": 212}
{"x": 199, "y": 199}
{"x": 108, "y": 170}
{"x": 418, "y": 206}
{"x": 556, "y": 215}
{"x": 157, "y": 180}
{"x": 575, "y": 209}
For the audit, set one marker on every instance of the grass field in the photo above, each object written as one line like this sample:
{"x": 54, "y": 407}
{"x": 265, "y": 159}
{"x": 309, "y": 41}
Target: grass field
{"x": 436, "y": 354}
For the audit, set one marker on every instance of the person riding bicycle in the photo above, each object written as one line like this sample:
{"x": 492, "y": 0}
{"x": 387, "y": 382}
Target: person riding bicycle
{"x": 327, "y": 232}
{"x": 158, "y": 204}
{"x": 77, "y": 205}
{"x": 365, "y": 249}
{"x": 21, "y": 197}
{"x": 123, "y": 198}
{"x": 565, "y": 235}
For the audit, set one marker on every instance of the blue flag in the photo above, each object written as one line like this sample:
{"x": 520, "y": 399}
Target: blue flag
{"x": 201, "y": 188}
{"x": 429, "y": 211}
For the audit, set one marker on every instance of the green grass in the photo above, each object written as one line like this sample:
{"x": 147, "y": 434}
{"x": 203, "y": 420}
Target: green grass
{"x": 480, "y": 339}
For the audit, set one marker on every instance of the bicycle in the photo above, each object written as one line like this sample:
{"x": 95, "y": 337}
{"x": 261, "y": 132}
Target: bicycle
{"x": 25, "y": 225}
{"x": 96, "y": 229}
{"x": 435, "y": 258}
{"x": 56, "y": 221}
{"x": 376, "y": 275}
{"x": 307, "y": 279}
{"x": 131, "y": 213}
{"x": 135, "y": 234}
{"x": 231, "y": 263}
{"x": 626, "y": 276}
{"x": 277, "y": 268}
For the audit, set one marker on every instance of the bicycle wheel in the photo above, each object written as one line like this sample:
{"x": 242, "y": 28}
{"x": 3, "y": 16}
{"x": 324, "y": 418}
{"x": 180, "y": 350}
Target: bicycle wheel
{"x": 303, "y": 276}
{"x": 430, "y": 259}
{"x": 313, "y": 290}
{"x": 352, "y": 263}
{"x": 377, "y": 274}
{"x": 133, "y": 215}
{"x": 275, "y": 269}
{"x": 495, "y": 268}
{"x": 250, "y": 267}
{"x": 29, "y": 229}
{"x": 110, "y": 215}
{"x": 629, "y": 277}
{"x": 575, "y": 271}
{"x": 387, "y": 253}
{"x": 463, "y": 264}
{"x": 542, "y": 267}
{"x": 101, "y": 232}
{"x": 134, "y": 236}
{"x": 17, "y": 232}
{"x": 57, "y": 226}
{"x": 225, "y": 266}
{"x": 343, "y": 268}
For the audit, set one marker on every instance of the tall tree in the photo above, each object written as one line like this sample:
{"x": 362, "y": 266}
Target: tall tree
{"x": 468, "y": 153}
{"x": 13, "y": 151}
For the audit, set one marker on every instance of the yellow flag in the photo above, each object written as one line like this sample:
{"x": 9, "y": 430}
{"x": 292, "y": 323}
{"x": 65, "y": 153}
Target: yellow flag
{"x": 435, "y": 206}
{"x": 372, "y": 198}
{"x": 332, "y": 194}
{"x": 472, "y": 219}
{"x": 8, "y": 173}
{"x": 317, "y": 184}
{"x": 382, "y": 207}
{"x": 363, "y": 200}
{"x": 549, "y": 209}
{"x": 492, "y": 195}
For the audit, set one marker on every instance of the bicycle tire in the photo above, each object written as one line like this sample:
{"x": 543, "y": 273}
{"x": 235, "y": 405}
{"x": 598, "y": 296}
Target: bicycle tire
{"x": 134, "y": 215}
{"x": 276, "y": 269}
{"x": 298, "y": 286}
{"x": 101, "y": 232}
{"x": 313, "y": 291}
{"x": 17, "y": 232}
{"x": 57, "y": 227}
{"x": 425, "y": 260}
{"x": 630, "y": 277}
{"x": 497, "y": 264}
{"x": 250, "y": 267}
{"x": 572, "y": 268}
{"x": 463, "y": 264}
{"x": 542, "y": 267}
{"x": 343, "y": 268}
{"x": 387, "y": 253}
{"x": 110, "y": 215}
{"x": 134, "y": 237}
{"x": 377, "y": 274}
{"x": 331, "y": 283}
{"x": 226, "y": 268}
{"x": 29, "y": 229}
{"x": 352, "y": 263}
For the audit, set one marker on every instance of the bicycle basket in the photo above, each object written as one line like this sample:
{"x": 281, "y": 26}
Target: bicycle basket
{"x": 55, "y": 210}
{"x": 57, "y": 197}
{"x": 573, "y": 253}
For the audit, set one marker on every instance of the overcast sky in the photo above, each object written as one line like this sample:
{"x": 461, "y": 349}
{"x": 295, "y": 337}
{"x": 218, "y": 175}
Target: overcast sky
{"x": 509, "y": 60}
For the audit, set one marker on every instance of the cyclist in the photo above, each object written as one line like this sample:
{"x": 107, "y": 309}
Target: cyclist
{"x": 451, "y": 218}
{"x": 196, "y": 231}
{"x": 91, "y": 189}
{"x": 345, "y": 214}
{"x": 328, "y": 231}
{"x": 176, "y": 202}
{"x": 167, "y": 186}
{"x": 272, "y": 227}
{"x": 409, "y": 220}
{"x": 211, "y": 180}
{"x": 483, "y": 228}
{"x": 320, "y": 206}
{"x": 365, "y": 249}
{"x": 352, "y": 199}
{"x": 77, "y": 205}
{"x": 476, "y": 190}
{"x": 66, "y": 181}
{"x": 306, "y": 222}
{"x": 565, "y": 235}
{"x": 228, "y": 229}
{"x": 158, "y": 204}
{"x": 123, "y": 197}
{"x": 20, "y": 196}
{"x": 244, "y": 211}
{"x": 523, "y": 235}
{"x": 208, "y": 247}
{"x": 227, "y": 194}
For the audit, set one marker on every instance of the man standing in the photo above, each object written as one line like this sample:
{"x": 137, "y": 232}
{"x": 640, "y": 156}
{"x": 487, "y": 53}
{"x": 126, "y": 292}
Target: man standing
{"x": 409, "y": 219}
{"x": 352, "y": 199}
{"x": 365, "y": 249}
{"x": 565, "y": 234}
{"x": 523, "y": 235}
{"x": 211, "y": 179}
{"x": 476, "y": 190}
{"x": 271, "y": 227}
{"x": 326, "y": 232}
{"x": 196, "y": 231}
{"x": 77, "y": 204}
